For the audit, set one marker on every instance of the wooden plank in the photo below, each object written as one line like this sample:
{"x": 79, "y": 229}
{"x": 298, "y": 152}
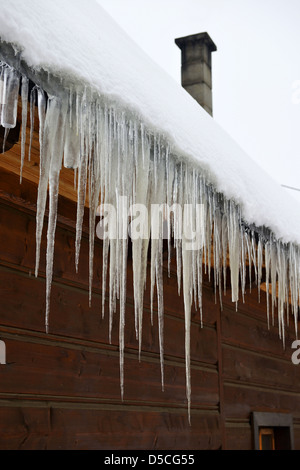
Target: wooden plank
{"x": 239, "y": 436}
{"x": 257, "y": 369}
{"x": 55, "y": 368}
{"x": 72, "y": 317}
{"x": 242, "y": 330}
{"x": 241, "y": 399}
{"x": 56, "y": 428}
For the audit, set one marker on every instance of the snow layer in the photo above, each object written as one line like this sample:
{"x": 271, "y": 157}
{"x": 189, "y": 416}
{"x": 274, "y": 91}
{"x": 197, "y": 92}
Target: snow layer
{"x": 79, "y": 42}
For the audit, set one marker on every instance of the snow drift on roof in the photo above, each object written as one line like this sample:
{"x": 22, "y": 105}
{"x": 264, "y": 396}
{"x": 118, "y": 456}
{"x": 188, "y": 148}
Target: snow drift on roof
{"x": 80, "y": 42}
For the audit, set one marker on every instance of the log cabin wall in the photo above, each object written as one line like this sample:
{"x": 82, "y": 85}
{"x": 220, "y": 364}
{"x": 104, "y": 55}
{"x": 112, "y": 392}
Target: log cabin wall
{"x": 61, "y": 390}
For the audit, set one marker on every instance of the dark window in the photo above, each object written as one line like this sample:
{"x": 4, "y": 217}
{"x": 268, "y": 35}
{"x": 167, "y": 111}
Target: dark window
{"x": 273, "y": 431}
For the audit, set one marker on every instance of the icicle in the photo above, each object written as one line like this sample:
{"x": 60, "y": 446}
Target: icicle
{"x": 280, "y": 308}
{"x": 81, "y": 197}
{"x": 273, "y": 259}
{"x": 72, "y": 145}
{"x": 54, "y": 171}
{"x": 152, "y": 275}
{"x": 112, "y": 285}
{"x": 42, "y": 116}
{"x": 32, "y": 104}
{"x": 9, "y": 100}
{"x": 177, "y": 198}
{"x": 10, "y": 93}
{"x": 169, "y": 177}
{"x": 253, "y": 255}
{"x": 49, "y": 133}
{"x": 267, "y": 268}
{"x": 2, "y": 96}
{"x": 248, "y": 257}
{"x": 94, "y": 196}
{"x": 224, "y": 249}
{"x": 243, "y": 264}
{"x": 259, "y": 266}
{"x": 140, "y": 243}
{"x": 24, "y": 98}
{"x": 157, "y": 261}
{"x": 234, "y": 251}
{"x": 94, "y": 200}
{"x": 199, "y": 262}
{"x": 217, "y": 255}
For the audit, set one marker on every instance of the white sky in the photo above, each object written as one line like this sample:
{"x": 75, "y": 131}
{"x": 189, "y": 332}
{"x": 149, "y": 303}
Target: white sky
{"x": 256, "y": 69}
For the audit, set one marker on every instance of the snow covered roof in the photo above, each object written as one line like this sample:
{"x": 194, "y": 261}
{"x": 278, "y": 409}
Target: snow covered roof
{"x": 118, "y": 118}
{"x": 85, "y": 45}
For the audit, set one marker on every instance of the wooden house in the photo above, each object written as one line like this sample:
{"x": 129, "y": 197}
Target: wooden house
{"x": 60, "y": 389}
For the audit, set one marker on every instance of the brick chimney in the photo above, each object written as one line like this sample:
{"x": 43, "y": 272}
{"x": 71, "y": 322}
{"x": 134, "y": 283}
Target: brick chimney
{"x": 196, "y": 67}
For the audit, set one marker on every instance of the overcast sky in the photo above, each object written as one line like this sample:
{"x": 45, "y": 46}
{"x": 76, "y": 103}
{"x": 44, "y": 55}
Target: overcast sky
{"x": 256, "y": 69}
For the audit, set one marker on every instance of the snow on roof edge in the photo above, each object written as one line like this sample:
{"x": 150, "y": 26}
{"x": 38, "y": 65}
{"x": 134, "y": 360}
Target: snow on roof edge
{"x": 128, "y": 77}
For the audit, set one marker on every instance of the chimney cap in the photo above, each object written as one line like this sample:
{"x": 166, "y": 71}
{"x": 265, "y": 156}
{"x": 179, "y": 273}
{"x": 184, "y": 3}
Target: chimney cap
{"x": 199, "y": 37}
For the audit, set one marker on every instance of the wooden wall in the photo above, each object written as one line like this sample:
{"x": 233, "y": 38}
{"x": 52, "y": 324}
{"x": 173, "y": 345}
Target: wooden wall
{"x": 61, "y": 390}
{"x": 258, "y": 374}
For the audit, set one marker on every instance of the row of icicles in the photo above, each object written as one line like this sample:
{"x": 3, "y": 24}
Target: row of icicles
{"x": 116, "y": 159}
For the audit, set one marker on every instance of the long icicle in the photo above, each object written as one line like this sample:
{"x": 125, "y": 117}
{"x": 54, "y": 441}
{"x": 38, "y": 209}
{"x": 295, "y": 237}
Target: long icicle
{"x": 24, "y": 98}
{"x": 54, "y": 172}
